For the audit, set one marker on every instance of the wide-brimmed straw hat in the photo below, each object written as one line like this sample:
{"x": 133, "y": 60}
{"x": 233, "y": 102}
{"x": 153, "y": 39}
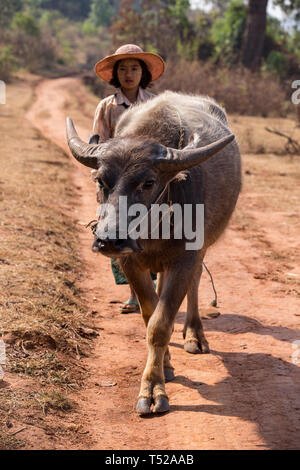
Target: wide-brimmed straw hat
{"x": 155, "y": 64}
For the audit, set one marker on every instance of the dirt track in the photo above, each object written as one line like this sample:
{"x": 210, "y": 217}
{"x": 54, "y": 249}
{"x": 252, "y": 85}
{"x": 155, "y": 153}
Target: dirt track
{"x": 245, "y": 394}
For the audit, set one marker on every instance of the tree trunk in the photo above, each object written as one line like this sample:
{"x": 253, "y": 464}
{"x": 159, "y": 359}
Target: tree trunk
{"x": 254, "y": 33}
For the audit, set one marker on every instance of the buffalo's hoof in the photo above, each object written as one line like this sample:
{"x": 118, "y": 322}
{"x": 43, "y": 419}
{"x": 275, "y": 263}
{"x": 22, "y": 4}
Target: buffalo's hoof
{"x": 161, "y": 404}
{"x": 169, "y": 374}
{"x": 143, "y": 406}
{"x": 192, "y": 347}
{"x": 195, "y": 347}
{"x": 205, "y": 348}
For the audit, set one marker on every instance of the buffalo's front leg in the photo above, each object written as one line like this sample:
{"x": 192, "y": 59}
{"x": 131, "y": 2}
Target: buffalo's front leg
{"x": 152, "y": 389}
{"x": 143, "y": 286}
{"x": 159, "y": 330}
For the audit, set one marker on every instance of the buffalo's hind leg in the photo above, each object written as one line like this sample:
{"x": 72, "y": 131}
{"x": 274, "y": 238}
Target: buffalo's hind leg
{"x": 195, "y": 340}
{"x": 168, "y": 368}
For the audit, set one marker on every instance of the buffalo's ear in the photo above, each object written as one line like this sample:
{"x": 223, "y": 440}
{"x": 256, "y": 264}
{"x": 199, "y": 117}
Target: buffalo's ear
{"x": 179, "y": 160}
{"x": 87, "y": 154}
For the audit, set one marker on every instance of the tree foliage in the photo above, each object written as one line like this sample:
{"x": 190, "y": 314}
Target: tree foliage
{"x": 7, "y": 10}
{"x": 73, "y": 9}
{"x": 227, "y": 32}
{"x": 290, "y": 7}
{"x": 7, "y": 63}
{"x": 155, "y": 25}
{"x": 102, "y": 12}
{"x": 27, "y": 23}
{"x": 219, "y": 5}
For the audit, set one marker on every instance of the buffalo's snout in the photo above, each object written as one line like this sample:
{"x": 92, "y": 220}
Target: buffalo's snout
{"x": 115, "y": 248}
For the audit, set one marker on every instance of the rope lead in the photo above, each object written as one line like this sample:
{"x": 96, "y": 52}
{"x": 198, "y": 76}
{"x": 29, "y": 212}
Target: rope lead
{"x": 215, "y": 301}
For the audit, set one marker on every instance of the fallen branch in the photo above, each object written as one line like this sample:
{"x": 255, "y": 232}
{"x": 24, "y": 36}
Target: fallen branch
{"x": 292, "y": 147}
{"x": 17, "y": 432}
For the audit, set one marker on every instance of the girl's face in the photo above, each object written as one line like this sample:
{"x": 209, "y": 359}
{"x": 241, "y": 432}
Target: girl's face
{"x": 129, "y": 73}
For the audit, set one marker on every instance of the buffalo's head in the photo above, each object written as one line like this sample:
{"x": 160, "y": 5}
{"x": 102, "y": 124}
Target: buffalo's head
{"x": 132, "y": 171}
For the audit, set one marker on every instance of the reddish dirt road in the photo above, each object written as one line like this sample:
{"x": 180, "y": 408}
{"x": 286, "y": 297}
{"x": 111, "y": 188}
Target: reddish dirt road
{"x": 245, "y": 394}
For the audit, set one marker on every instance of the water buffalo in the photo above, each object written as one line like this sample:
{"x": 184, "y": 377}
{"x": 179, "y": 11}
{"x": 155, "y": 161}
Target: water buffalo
{"x": 175, "y": 149}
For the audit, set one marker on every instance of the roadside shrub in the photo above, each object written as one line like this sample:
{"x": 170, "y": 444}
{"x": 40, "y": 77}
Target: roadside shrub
{"x": 276, "y": 62}
{"x": 7, "y": 63}
{"x": 32, "y": 43}
{"x": 88, "y": 28}
{"x": 31, "y": 52}
{"x": 8, "y": 9}
{"x": 227, "y": 32}
{"x": 238, "y": 89}
{"x": 27, "y": 23}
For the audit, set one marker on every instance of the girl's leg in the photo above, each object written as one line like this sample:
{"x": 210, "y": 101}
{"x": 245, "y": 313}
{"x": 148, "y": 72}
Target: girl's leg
{"x": 131, "y": 305}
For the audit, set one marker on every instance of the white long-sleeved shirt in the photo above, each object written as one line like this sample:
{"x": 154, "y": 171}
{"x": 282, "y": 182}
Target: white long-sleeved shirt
{"x": 110, "y": 109}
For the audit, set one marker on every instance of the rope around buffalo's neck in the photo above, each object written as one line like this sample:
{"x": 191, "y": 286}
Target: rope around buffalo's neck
{"x": 214, "y": 303}
{"x": 181, "y": 136}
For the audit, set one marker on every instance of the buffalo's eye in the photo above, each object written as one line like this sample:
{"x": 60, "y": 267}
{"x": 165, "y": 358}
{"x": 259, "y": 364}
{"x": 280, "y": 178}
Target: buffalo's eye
{"x": 100, "y": 182}
{"x": 148, "y": 184}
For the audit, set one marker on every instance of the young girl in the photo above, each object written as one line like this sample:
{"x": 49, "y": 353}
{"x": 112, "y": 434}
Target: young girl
{"x": 130, "y": 70}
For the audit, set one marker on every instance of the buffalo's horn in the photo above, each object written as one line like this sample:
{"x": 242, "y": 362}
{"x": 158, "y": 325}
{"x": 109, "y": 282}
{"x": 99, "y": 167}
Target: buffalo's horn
{"x": 180, "y": 160}
{"x": 87, "y": 154}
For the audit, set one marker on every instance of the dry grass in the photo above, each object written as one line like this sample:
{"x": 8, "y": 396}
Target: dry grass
{"x": 255, "y": 139}
{"x": 12, "y": 401}
{"x": 237, "y": 89}
{"x": 268, "y": 214}
{"x": 42, "y": 315}
{"x": 53, "y": 400}
{"x": 272, "y": 184}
